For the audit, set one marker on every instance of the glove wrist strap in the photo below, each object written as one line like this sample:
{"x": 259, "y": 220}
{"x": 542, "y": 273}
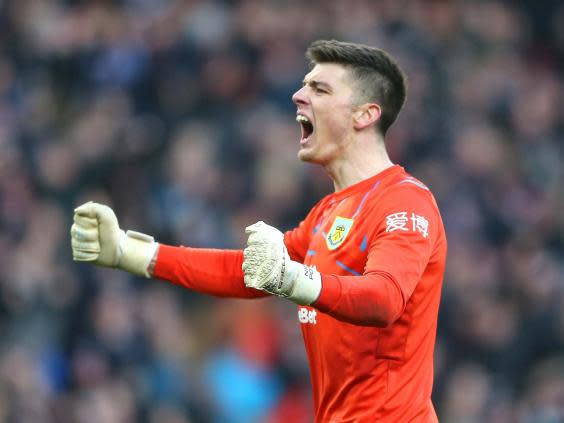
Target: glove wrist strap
{"x": 137, "y": 250}
{"x": 307, "y": 283}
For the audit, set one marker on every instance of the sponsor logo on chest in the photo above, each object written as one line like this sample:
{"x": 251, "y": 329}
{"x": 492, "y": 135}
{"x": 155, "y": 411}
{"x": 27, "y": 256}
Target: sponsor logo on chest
{"x": 307, "y": 316}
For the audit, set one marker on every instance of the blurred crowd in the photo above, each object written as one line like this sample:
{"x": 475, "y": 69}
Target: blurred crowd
{"x": 178, "y": 115}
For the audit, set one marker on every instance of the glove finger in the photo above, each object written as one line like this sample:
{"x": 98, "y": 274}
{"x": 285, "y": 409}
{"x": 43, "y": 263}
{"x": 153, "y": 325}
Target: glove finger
{"x": 85, "y": 221}
{"x": 254, "y": 238}
{"x": 251, "y": 254}
{"x": 101, "y": 212}
{"x": 78, "y": 255}
{"x": 86, "y": 209}
{"x": 85, "y": 246}
{"x": 83, "y": 255}
{"x": 259, "y": 240}
{"x": 80, "y": 234}
{"x": 250, "y": 282}
{"x": 247, "y": 282}
{"x": 254, "y": 227}
{"x": 246, "y": 263}
{"x": 264, "y": 234}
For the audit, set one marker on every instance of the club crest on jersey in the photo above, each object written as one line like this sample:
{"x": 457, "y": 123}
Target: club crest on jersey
{"x": 338, "y": 232}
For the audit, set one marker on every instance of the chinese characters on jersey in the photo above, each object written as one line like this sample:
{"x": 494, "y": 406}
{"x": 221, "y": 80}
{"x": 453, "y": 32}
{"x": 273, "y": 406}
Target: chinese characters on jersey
{"x": 403, "y": 221}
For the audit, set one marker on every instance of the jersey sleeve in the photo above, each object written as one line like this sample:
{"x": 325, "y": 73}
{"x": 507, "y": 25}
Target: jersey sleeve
{"x": 405, "y": 231}
{"x": 405, "y": 236}
{"x": 208, "y": 271}
{"x": 218, "y": 272}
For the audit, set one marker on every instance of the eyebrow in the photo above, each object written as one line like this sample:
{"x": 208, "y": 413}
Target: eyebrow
{"x": 316, "y": 84}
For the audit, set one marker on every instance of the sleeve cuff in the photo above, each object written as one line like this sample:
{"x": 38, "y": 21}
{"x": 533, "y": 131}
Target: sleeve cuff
{"x": 165, "y": 265}
{"x": 330, "y": 294}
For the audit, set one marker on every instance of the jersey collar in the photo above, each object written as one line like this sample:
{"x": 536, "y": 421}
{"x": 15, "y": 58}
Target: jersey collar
{"x": 369, "y": 183}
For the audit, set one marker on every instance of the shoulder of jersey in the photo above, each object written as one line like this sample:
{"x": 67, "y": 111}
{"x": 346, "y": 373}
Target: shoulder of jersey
{"x": 410, "y": 181}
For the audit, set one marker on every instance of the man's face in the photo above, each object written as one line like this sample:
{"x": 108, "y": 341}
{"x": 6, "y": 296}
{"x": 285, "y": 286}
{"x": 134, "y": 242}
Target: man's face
{"x": 325, "y": 106}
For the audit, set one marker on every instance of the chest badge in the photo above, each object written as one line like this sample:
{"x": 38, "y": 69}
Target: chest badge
{"x": 338, "y": 232}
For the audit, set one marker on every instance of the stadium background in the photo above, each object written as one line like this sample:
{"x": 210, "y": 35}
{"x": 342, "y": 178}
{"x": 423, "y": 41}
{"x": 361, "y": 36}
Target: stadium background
{"x": 178, "y": 114}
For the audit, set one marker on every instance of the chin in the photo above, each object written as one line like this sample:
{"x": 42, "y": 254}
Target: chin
{"x": 306, "y": 155}
{"x": 312, "y": 155}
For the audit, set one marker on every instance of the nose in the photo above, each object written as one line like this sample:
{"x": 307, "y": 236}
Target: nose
{"x": 299, "y": 97}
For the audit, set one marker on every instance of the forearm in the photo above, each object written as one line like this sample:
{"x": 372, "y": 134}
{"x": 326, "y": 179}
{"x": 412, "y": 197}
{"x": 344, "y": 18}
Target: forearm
{"x": 209, "y": 271}
{"x": 372, "y": 300}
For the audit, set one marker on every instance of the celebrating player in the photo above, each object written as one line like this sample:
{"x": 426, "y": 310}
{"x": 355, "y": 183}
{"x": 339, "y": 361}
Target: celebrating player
{"x": 365, "y": 266}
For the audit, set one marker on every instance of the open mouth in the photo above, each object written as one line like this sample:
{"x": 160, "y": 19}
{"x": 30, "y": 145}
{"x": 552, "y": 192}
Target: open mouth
{"x": 307, "y": 127}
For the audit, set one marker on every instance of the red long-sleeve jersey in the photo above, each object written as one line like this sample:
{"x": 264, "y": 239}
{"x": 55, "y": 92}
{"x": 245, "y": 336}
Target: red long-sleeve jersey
{"x": 380, "y": 246}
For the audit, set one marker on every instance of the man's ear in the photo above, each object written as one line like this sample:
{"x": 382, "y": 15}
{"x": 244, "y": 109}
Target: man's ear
{"x": 366, "y": 115}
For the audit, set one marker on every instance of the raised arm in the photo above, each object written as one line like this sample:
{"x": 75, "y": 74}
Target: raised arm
{"x": 96, "y": 238}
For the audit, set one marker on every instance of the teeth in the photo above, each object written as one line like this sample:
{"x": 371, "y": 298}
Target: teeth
{"x": 301, "y": 118}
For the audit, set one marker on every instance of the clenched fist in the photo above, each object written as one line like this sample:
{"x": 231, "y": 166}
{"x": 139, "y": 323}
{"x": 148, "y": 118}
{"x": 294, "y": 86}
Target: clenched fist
{"x": 97, "y": 238}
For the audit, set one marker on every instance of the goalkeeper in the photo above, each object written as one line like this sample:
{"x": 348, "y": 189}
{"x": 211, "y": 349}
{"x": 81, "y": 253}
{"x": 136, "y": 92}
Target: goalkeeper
{"x": 365, "y": 266}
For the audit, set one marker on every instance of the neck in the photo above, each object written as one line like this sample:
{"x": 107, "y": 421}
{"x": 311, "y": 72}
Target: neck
{"x": 362, "y": 160}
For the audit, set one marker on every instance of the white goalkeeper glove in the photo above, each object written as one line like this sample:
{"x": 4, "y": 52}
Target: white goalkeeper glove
{"x": 97, "y": 238}
{"x": 268, "y": 267}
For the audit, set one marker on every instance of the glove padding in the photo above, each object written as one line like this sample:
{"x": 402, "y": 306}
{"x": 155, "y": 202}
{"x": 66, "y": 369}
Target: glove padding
{"x": 97, "y": 238}
{"x": 268, "y": 267}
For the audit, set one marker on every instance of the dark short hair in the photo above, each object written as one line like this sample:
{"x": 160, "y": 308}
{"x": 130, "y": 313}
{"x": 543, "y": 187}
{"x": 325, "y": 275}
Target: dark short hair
{"x": 377, "y": 76}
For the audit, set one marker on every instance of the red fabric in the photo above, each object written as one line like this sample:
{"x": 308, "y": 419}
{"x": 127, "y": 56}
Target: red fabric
{"x": 370, "y": 300}
{"x": 370, "y": 336}
{"x": 209, "y": 271}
